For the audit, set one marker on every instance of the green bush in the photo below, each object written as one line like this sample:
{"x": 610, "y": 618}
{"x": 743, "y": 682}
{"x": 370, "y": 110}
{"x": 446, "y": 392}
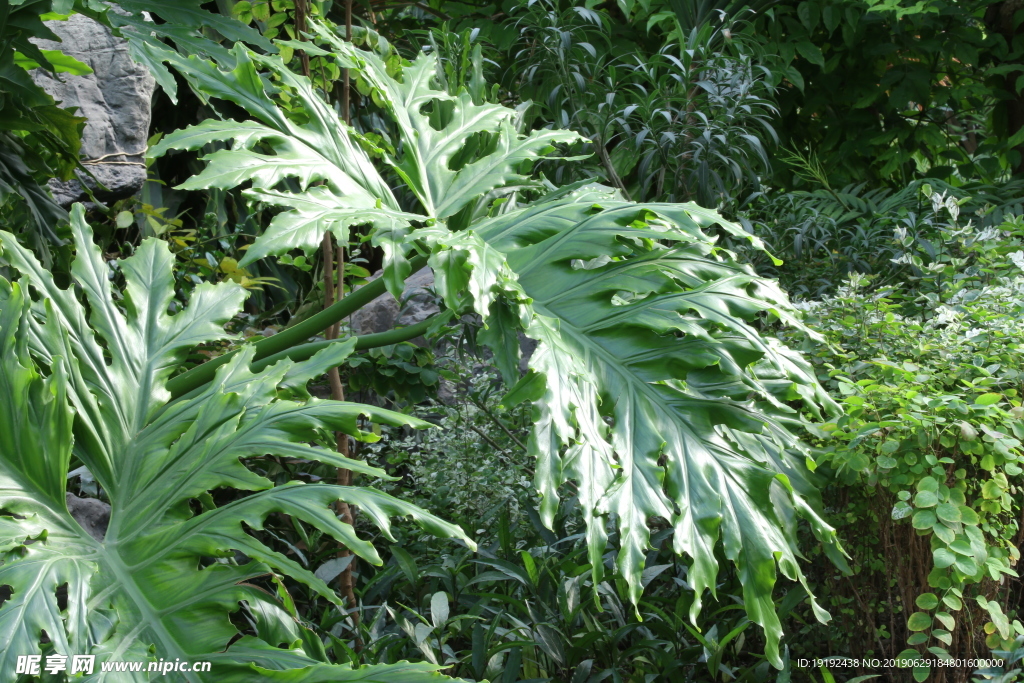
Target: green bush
{"x": 526, "y": 608}
{"x": 822, "y": 236}
{"x": 474, "y": 468}
{"x": 529, "y": 611}
{"x": 927, "y": 458}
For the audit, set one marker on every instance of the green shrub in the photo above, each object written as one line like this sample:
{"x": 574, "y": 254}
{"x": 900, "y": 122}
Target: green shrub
{"x": 526, "y": 606}
{"x": 823, "y": 235}
{"x": 533, "y": 613}
{"x": 927, "y": 458}
{"x": 471, "y": 470}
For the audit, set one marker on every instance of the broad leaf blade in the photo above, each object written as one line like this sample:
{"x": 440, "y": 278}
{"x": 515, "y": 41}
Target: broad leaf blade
{"x": 631, "y": 303}
{"x": 144, "y": 590}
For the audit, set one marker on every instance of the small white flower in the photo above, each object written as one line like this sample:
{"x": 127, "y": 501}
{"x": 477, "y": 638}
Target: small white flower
{"x": 952, "y": 207}
{"x": 988, "y": 234}
{"x": 1018, "y": 259}
{"x": 938, "y": 201}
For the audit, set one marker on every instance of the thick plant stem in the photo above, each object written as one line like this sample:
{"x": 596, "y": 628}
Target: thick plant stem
{"x": 368, "y": 341}
{"x": 339, "y": 285}
{"x": 301, "y": 11}
{"x": 331, "y": 331}
{"x": 287, "y": 338}
{"x": 303, "y": 352}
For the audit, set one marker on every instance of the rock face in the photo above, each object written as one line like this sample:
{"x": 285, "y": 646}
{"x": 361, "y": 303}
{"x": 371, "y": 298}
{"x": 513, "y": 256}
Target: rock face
{"x": 92, "y": 514}
{"x": 383, "y": 313}
{"x": 419, "y": 303}
{"x": 115, "y": 99}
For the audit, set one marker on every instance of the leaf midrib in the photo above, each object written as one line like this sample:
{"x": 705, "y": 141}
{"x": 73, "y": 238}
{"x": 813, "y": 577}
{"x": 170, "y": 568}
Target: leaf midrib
{"x": 639, "y": 386}
{"x": 150, "y": 619}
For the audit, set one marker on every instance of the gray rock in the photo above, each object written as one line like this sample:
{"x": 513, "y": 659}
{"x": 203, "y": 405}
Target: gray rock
{"x": 419, "y": 303}
{"x": 93, "y": 515}
{"x": 447, "y": 392}
{"x": 384, "y": 313}
{"x": 526, "y": 348}
{"x": 115, "y": 99}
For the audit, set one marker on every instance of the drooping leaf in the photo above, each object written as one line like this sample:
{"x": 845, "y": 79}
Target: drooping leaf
{"x": 670, "y": 403}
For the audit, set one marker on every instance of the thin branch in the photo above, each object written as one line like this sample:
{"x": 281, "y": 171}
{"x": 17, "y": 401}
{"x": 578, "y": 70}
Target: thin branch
{"x": 497, "y": 422}
{"x": 488, "y": 440}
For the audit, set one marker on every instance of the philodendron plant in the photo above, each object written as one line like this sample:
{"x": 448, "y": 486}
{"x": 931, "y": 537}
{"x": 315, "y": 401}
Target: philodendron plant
{"x": 85, "y": 383}
{"x": 652, "y": 388}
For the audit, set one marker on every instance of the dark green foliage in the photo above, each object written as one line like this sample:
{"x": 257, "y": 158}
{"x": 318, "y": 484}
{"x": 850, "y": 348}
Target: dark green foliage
{"x": 825, "y": 235}
{"x": 401, "y": 372}
{"x": 885, "y": 92}
{"x": 526, "y": 606}
{"x": 38, "y": 139}
{"x": 515, "y": 615}
{"x": 677, "y": 115}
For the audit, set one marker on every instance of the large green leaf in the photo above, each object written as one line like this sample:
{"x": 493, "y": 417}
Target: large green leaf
{"x": 87, "y": 382}
{"x": 322, "y": 149}
{"x": 436, "y": 131}
{"x": 670, "y": 403}
{"x": 653, "y": 390}
{"x": 184, "y": 24}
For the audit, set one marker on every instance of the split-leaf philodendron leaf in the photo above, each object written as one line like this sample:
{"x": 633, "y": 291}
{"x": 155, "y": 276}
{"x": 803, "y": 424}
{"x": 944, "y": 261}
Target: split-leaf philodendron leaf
{"x": 83, "y": 383}
{"x": 653, "y": 390}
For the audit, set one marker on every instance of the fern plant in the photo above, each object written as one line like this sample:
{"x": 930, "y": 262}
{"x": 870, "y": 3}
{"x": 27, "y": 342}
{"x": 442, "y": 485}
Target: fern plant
{"x": 84, "y": 384}
{"x": 652, "y": 388}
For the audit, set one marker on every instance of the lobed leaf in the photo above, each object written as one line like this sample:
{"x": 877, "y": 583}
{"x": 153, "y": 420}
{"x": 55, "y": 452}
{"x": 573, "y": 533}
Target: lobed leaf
{"x": 162, "y": 581}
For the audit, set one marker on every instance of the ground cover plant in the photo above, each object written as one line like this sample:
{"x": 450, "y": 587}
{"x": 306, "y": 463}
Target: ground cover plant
{"x": 925, "y": 457}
